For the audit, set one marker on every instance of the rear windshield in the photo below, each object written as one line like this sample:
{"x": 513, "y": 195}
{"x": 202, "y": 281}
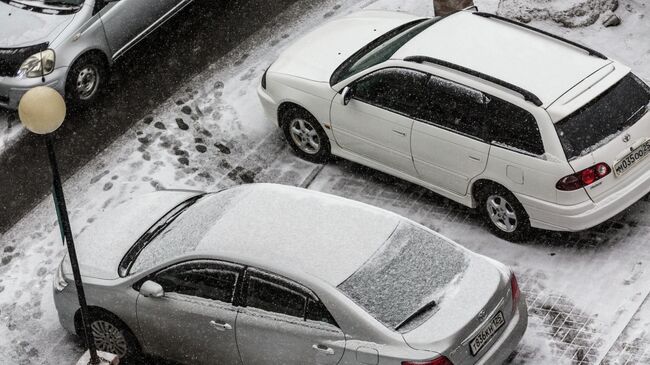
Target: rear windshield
{"x": 604, "y": 118}
{"x": 404, "y": 282}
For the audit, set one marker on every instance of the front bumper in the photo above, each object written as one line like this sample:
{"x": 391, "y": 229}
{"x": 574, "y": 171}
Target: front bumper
{"x": 578, "y": 217}
{"x": 13, "y": 88}
{"x": 67, "y": 304}
{"x": 510, "y": 338}
{"x": 268, "y": 104}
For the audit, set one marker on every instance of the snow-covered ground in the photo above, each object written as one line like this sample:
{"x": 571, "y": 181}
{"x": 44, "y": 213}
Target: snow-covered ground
{"x": 585, "y": 291}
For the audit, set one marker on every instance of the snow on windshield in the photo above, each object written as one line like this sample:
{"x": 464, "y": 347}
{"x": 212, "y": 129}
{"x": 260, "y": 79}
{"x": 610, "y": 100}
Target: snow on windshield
{"x": 187, "y": 231}
{"x": 412, "y": 269}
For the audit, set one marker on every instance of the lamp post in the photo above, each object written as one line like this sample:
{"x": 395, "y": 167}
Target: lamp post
{"x": 42, "y": 111}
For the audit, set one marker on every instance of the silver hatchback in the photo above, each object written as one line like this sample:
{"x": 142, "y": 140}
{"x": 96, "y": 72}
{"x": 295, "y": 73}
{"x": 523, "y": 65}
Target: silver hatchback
{"x": 269, "y": 274}
{"x": 70, "y": 44}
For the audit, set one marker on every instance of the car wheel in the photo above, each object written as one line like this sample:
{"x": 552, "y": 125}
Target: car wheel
{"x": 113, "y": 336}
{"x": 85, "y": 80}
{"x": 306, "y": 137}
{"x": 503, "y": 213}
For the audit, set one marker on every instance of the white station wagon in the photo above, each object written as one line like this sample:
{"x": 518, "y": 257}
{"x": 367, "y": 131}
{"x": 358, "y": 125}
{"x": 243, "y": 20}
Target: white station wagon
{"x": 533, "y": 129}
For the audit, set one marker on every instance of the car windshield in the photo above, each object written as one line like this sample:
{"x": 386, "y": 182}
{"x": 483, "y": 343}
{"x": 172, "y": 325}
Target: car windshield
{"x": 404, "y": 282}
{"x": 178, "y": 232}
{"x": 604, "y": 118}
{"x": 380, "y": 50}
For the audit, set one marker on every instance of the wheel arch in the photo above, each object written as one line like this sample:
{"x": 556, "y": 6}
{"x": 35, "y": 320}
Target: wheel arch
{"x": 96, "y": 311}
{"x": 286, "y": 108}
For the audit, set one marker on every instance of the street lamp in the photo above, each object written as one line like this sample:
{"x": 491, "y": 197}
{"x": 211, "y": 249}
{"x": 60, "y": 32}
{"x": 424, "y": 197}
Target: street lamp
{"x": 42, "y": 111}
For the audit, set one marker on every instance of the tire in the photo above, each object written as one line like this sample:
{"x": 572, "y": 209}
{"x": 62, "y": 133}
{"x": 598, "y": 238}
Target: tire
{"x": 503, "y": 213}
{"x": 86, "y": 79}
{"x": 306, "y": 136}
{"x": 113, "y": 336}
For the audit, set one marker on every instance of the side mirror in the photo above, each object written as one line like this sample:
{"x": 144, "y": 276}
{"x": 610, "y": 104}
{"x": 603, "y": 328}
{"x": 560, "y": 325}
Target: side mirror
{"x": 152, "y": 289}
{"x": 347, "y": 94}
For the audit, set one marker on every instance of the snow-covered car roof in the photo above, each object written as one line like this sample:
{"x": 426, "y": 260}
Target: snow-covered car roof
{"x": 545, "y": 66}
{"x": 276, "y": 226}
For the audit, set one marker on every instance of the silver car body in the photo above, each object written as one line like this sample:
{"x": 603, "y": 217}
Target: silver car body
{"x": 310, "y": 241}
{"x": 110, "y": 32}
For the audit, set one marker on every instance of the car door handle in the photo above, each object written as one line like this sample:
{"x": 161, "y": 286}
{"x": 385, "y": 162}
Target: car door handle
{"x": 403, "y": 134}
{"x": 220, "y": 326}
{"x": 322, "y": 348}
{"x": 475, "y": 158}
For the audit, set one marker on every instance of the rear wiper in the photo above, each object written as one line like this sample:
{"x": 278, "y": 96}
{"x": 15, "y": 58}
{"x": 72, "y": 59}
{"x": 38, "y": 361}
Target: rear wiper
{"x": 425, "y": 308}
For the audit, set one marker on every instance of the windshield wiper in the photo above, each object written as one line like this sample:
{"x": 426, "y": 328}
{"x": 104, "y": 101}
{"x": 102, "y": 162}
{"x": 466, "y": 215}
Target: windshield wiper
{"x": 425, "y": 308}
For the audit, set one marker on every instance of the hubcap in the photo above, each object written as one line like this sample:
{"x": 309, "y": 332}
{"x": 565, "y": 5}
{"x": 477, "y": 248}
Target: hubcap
{"x": 501, "y": 213}
{"x": 108, "y": 338}
{"x": 87, "y": 82}
{"x": 304, "y": 136}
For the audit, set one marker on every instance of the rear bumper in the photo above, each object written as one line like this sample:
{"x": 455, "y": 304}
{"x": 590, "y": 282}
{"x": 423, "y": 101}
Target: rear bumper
{"x": 510, "y": 338}
{"x": 588, "y": 214}
{"x": 13, "y": 88}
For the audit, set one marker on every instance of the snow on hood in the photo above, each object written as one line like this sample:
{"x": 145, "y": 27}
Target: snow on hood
{"x": 102, "y": 245}
{"x": 316, "y": 55}
{"x": 20, "y": 28}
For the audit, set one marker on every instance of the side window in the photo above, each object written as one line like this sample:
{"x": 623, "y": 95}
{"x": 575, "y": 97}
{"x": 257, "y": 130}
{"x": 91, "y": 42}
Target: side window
{"x": 454, "y": 106}
{"x": 513, "y": 127}
{"x": 395, "y": 89}
{"x": 275, "y": 295}
{"x": 203, "y": 279}
{"x": 316, "y": 311}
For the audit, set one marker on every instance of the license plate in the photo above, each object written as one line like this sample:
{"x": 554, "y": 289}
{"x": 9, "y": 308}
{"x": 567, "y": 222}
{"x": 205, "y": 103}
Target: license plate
{"x": 486, "y": 334}
{"x": 623, "y": 165}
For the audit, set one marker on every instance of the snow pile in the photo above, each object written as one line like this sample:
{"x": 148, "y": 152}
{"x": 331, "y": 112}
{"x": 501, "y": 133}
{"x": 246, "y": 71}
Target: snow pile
{"x": 10, "y": 129}
{"x": 569, "y": 14}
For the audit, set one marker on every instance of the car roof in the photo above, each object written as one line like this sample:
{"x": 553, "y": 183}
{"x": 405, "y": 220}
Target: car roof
{"x": 288, "y": 229}
{"x": 545, "y": 66}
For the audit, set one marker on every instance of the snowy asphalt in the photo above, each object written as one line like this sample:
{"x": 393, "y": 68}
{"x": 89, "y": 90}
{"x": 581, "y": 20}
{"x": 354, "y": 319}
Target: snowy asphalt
{"x": 202, "y": 33}
{"x": 587, "y": 292}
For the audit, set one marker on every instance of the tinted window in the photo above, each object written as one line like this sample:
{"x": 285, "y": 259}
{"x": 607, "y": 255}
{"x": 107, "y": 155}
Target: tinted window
{"x": 396, "y": 89}
{"x": 476, "y": 114}
{"x": 513, "y": 127}
{"x": 412, "y": 271}
{"x": 202, "y": 279}
{"x": 316, "y": 311}
{"x": 454, "y": 106}
{"x": 612, "y": 112}
{"x": 270, "y": 294}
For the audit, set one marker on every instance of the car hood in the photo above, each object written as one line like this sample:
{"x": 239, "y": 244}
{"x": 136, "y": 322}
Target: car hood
{"x": 316, "y": 55}
{"x": 102, "y": 245}
{"x": 22, "y": 27}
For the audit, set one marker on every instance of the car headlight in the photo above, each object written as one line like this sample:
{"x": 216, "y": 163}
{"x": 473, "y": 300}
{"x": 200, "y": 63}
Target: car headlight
{"x": 37, "y": 65}
{"x": 59, "y": 280}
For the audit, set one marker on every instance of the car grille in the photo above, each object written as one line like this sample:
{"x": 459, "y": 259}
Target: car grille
{"x": 12, "y": 58}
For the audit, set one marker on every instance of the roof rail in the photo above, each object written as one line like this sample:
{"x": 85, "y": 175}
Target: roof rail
{"x": 578, "y": 45}
{"x": 528, "y": 96}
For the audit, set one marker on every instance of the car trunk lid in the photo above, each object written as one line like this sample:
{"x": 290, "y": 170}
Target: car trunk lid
{"x": 478, "y": 297}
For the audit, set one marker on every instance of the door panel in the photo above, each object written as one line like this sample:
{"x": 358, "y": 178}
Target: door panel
{"x": 189, "y": 330}
{"x": 380, "y": 135}
{"x": 194, "y": 322}
{"x": 125, "y": 20}
{"x": 270, "y": 338}
{"x": 447, "y": 159}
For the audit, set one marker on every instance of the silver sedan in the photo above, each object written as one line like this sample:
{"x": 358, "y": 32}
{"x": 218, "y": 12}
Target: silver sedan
{"x": 70, "y": 45}
{"x": 269, "y": 274}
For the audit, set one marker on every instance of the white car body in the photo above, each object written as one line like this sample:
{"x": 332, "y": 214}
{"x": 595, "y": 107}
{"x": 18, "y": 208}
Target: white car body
{"x": 562, "y": 76}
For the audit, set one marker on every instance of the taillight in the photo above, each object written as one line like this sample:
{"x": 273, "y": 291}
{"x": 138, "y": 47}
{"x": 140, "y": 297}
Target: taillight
{"x": 516, "y": 293}
{"x": 437, "y": 361}
{"x": 584, "y": 178}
